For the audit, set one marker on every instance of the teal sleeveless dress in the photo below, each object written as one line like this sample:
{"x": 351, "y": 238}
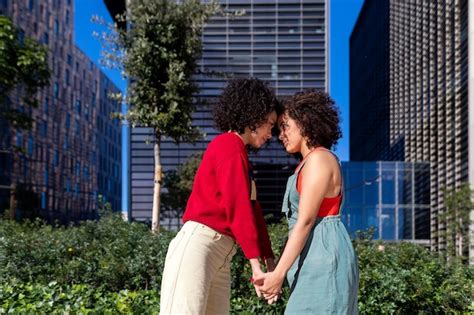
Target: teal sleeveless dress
{"x": 324, "y": 279}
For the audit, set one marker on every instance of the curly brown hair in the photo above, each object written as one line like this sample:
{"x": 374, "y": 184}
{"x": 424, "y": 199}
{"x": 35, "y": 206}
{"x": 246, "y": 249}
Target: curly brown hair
{"x": 244, "y": 103}
{"x": 316, "y": 115}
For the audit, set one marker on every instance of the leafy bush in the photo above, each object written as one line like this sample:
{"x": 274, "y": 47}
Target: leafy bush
{"x": 109, "y": 254}
{"x": 52, "y": 298}
{"x": 114, "y": 266}
{"x": 404, "y": 278}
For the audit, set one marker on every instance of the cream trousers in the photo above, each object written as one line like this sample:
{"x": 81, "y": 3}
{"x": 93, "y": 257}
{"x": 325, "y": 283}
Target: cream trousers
{"x": 196, "y": 277}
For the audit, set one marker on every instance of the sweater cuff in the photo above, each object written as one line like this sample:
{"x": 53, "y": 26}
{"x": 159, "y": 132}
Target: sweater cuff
{"x": 250, "y": 253}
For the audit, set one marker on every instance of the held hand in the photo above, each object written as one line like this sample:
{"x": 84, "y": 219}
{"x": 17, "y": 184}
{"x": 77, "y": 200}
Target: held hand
{"x": 257, "y": 284}
{"x": 256, "y": 272}
{"x": 271, "y": 298}
{"x": 271, "y": 286}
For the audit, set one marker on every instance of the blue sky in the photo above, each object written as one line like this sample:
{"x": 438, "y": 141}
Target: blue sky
{"x": 343, "y": 16}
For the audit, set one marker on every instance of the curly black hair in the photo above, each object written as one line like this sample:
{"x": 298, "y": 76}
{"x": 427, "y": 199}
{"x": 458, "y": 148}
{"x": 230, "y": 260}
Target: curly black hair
{"x": 316, "y": 115}
{"x": 245, "y": 102}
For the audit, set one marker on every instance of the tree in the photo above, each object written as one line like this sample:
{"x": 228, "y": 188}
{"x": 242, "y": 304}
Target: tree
{"x": 23, "y": 65}
{"x": 158, "y": 54}
{"x": 179, "y": 184}
{"x": 456, "y": 218}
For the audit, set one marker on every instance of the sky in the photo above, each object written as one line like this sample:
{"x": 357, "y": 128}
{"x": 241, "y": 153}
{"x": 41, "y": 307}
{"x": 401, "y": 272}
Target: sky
{"x": 83, "y": 34}
{"x": 343, "y": 14}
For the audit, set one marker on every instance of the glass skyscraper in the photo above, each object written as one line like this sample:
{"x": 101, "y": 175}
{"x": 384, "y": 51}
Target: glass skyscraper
{"x": 410, "y": 76}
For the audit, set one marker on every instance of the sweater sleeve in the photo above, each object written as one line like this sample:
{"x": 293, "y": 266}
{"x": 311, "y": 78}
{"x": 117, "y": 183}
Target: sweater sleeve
{"x": 234, "y": 184}
{"x": 264, "y": 238}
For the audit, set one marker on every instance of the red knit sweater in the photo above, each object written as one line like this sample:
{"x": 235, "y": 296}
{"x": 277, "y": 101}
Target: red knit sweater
{"x": 220, "y": 198}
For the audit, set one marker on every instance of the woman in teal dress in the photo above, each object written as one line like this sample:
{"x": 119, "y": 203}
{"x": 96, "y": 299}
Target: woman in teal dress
{"x": 318, "y": 260}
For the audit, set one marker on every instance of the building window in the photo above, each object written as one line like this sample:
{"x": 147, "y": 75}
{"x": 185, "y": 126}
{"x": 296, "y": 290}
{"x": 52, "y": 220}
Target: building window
{"x": 46, "y": 105}
{"x": 44, "y": 129}
{"x": 86, "y": 113}
{"x": 68, "y": 120}
{"x": 56, "y": 90}
{"x": 69, "y": 60}
{"x": 30, "y": 145}
{"x": 78, "y": 107}
{"x": 43, "y": 200}
{"x": 67, "y": 77}
{"x": 67, "y": 17}
{"x": 56, "y": 27}
{"x": 78, "y": 128}
{"x": 78, "y": 169}
{"x": 45, "y": 176}
{"x": 68, "y": 185}
{"x": 56, "y": 158}
{"x": 31, "y": 5}
{"x": 46, "y": 38}
{"x": 19, "y": 139}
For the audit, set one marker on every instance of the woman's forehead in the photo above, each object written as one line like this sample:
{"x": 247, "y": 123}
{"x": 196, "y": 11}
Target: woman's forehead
{"x": 283, "y": 117}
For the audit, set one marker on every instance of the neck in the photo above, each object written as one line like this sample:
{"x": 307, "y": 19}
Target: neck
{"x": 305, "y": 150}
{"x": 244, "y": 137}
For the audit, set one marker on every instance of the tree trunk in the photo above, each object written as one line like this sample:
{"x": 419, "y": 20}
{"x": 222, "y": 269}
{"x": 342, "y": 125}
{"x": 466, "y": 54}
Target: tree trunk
{"x": 13, "y": 202}
{"x": 155, "y": 221}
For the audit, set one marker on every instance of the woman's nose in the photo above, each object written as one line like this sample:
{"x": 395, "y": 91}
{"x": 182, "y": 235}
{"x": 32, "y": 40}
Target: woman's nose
{"x": 280, "y": 136}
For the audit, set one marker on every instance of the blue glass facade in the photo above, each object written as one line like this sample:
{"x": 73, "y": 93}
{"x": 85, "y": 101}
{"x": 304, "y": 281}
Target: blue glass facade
{"x": 392, "y": 197}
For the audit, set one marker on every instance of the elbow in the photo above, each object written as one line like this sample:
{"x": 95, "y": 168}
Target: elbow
{"x": 305, "y": 225}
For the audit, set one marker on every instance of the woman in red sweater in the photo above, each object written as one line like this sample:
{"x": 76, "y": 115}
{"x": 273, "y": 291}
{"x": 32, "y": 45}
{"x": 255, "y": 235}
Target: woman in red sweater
{"x": 222, "y": 210}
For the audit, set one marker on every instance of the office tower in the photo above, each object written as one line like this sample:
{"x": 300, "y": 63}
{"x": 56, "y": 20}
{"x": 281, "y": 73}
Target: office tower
{"x": 72, "y": 153}
{"x": 410, "y": 77}
{"x": 284, "y": 42}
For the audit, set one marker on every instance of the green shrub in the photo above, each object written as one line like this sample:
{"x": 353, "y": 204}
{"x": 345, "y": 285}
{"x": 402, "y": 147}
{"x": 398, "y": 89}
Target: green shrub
{"x": 26, "y": 298}
{"x": 109, "y": 254}
{"x": 113, "y": 266}
{"x": 404, "y": 278}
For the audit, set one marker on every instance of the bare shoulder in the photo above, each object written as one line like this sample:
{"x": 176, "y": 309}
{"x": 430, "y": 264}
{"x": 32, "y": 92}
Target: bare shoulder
{"x": 322, "y": 158}
{"x": 324, "y": 169}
